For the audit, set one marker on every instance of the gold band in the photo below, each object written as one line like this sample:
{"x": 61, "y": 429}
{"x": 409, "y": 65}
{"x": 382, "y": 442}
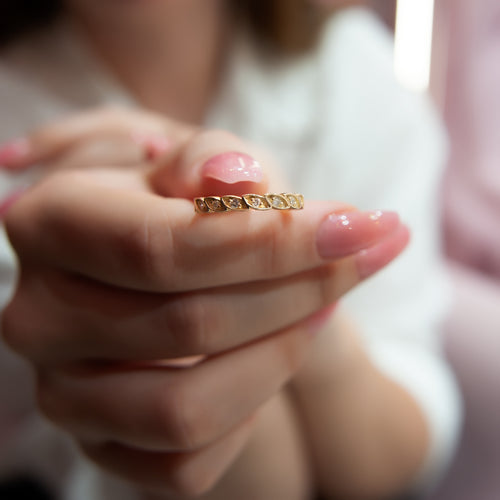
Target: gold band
{"x": 233, "y": 203}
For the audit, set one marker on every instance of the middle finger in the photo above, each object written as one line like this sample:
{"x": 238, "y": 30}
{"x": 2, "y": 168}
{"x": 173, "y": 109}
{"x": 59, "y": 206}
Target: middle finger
{"x": 114, "y": 324}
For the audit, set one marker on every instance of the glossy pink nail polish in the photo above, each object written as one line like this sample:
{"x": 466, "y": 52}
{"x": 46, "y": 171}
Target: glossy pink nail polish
{"x": 233, "y": 167}
{"x": 345, "y": 234}
{"x": 373, "y": 259}
{"x": 13, "y": 152}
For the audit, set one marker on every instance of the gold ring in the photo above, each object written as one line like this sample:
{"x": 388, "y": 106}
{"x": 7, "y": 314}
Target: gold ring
{"x": 233, "y": 203}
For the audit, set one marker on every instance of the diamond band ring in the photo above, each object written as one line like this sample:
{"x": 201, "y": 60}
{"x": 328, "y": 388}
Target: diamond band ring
{"x": 233, "y": 203}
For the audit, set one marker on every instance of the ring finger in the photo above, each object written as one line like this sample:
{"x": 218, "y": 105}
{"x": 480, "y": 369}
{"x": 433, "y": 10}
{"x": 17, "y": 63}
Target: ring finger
{"x": 165, "y": 409}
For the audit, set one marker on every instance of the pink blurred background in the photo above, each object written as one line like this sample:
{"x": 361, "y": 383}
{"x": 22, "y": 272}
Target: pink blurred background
{"x": 466, "y": 88}
{"x": 466, "y": 83}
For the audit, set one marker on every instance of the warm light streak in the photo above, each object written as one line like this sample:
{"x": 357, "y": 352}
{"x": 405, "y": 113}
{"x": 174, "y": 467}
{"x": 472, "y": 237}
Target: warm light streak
{"x": 413, "y": 43}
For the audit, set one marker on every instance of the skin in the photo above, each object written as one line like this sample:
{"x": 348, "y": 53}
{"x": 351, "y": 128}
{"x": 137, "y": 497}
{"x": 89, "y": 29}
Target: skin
{"x": 141, "y": 41}
{"x": 110, "y": 286}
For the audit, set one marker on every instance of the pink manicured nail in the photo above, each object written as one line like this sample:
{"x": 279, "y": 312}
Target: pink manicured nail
{"x": 6, "y": 203}
{"x": 14, "y": 151}
{"x": 373, "y": 259}
{"x": 318, "y": 320}
{"x": 233, "y": 167}
{"x": 344, "y": 234}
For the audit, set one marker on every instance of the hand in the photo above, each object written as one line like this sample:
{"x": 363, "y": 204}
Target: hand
{"x": 103, "y": 136}
{"x": 114, "y": 279}
{"x": 120, "y": 137}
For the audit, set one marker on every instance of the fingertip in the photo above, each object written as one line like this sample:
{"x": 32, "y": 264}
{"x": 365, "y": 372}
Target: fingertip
{"x": 15, "y": 153}
{"x": 373, "y": 259}
{"x": 233, "y": 167}
{"x": 346, "y": 233}
{"x": 211, "y": 163}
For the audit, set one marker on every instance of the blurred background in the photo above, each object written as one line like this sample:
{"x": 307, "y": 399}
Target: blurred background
{"x": 451, "y": 49}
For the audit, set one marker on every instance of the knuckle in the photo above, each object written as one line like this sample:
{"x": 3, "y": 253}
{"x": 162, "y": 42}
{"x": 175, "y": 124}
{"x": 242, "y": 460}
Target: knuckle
{"x": 168, "y": 476}
{"x": 45, "y": 207}
{"x": 188, "y": 319}
{"x": 45, "y": 197}
{"x": 183, "y": 423}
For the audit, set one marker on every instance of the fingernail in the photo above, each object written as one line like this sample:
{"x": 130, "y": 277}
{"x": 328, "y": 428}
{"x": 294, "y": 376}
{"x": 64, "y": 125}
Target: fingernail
{"x": 14, "y": 151}
{"x": 233, "y": 167}
{"x": 7, "y": 203}
{"x": 373, "y": 259}
{"x": 340, "y": 235}
{"x": 318, "y": 320}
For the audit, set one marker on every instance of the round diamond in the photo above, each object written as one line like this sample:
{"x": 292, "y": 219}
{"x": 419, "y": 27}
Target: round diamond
{"x": 293, "y": 201}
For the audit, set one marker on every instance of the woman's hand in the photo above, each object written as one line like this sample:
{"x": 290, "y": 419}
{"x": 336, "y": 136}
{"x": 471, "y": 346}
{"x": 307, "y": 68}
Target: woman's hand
{"x": 109, "y": 136}
{"x": 129, "y": 138}
{"x": 115, "y": 279}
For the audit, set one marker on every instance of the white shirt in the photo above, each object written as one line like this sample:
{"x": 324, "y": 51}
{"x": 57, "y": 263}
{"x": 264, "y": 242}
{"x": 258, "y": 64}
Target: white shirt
{"x": 342, "y": 129}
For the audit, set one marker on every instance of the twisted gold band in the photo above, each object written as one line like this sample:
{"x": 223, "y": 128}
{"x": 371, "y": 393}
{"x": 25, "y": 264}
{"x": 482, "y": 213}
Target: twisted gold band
{"x": 233, "y": 203}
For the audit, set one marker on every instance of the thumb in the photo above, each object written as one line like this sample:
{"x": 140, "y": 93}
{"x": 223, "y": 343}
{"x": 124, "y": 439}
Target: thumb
{"x": 211, "y": 163}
